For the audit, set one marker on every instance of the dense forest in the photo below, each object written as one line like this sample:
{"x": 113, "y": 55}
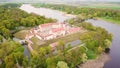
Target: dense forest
{"x": 12, "y": 18}
{"x": 89, "y": 12}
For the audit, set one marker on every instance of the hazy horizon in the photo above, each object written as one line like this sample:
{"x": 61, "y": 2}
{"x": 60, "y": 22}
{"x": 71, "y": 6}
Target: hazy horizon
{"x": 59, "y": 0}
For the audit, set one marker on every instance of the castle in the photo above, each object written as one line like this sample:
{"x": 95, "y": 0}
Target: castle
{"x": 51, "y": 30}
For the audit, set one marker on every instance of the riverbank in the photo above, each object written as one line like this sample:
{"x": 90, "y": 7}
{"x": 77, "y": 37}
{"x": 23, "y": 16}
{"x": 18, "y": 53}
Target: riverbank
{"x": 48, "y": 13}
{"x": 109, "y": 20}
{"x": 98, "y": 63}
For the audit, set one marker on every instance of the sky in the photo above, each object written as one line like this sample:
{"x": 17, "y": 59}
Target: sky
{"x": 97, "y": 0}
{"x": 62, "y": 0}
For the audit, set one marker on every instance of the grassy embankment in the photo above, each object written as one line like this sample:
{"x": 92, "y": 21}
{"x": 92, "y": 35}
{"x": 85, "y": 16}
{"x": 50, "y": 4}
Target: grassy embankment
{"x": 110, "y": 20}
{"x": 114, "y": 7}
{"x": 21, "y": 34}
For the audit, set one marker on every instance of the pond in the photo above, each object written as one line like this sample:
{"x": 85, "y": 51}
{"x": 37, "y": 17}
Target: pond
{"x": 26, "y": 51}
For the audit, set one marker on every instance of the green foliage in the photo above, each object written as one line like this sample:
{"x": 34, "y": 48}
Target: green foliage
{"x": 51, "y": 63}
{"x": 10, "y": 5}
{"x": 88, "y": 26}
{"x": 1, "y": 38}
{"x": 62, "y": 64}
{"x": 79, "y": 21}
{"x": 84, "y": 57}
{"x": 89, "y": 12}
{"x": 12, "y": 18}
{"x": 91, "y": 54}
{"x": 95, "y": 38}
{"x": 107, "y": 43}
{"x": 91, "y": 44}
{"x": 9, "y": 62}
{"x": 25, "y": 62}
{"x": 82, "y": 49}
{"x": 100, "y": 49}
{"x": 11, "y": 53}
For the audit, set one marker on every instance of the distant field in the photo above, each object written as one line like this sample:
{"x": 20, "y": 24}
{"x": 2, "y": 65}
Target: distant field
{"x": 111, "y": 20}
{"x": 115, "y": 6}
{"x": 104, "y": 7}
{"x": 111, "y": 5}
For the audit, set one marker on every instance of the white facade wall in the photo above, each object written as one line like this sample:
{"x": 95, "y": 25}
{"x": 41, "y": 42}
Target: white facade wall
{"x": 45, "y": 28}
{"x": 38, "y": 37}
{"x": 31, "y": 36}
{"x": 63, "y": 32}
{"x": 49, "y": 37}
{"x": 60, "y": 33}
{"x": 56, "y": 26}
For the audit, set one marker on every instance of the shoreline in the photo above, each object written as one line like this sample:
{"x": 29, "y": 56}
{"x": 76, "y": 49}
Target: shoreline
{"x": 48, "y": 13}
{"x": 108, "y": 21}
{"x": 96, "y": 63}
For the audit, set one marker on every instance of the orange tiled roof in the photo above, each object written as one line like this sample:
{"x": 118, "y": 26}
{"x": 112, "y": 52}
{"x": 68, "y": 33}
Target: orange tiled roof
{"x": 57, "y": 29}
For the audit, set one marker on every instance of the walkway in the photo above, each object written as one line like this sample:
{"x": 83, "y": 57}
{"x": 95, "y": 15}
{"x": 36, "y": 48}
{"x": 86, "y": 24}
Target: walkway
{"x": 81, "y": 45}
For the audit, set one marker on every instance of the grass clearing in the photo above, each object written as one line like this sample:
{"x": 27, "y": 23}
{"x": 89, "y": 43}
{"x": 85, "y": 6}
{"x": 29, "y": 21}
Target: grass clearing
{"x": 21, "y": 34}
{"x": 36, "y": 42}
{"x": 102, "y": 7}
{"x": 110, "y": 20}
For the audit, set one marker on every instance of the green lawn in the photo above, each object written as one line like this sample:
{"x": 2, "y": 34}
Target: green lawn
{"x": 110, "y": 20}
{"x": 21, "y": 34}
{"x": 36, "y": 43}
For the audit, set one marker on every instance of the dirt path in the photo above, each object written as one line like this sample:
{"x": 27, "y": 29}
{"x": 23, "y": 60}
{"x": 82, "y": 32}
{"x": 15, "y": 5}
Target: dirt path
{"x": 98, "y": 63}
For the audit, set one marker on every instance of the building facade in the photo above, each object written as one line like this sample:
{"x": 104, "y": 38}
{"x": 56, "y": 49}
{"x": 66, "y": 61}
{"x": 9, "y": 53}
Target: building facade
{"x": 51, "y": 30}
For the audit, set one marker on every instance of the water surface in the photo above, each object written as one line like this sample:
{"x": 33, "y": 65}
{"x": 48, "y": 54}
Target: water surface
{"x": 115, "y": 48}
{"x": 48, "y": 13}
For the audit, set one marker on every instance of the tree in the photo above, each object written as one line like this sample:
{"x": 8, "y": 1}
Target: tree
{"x": 62, "y": 64}
{"x": 38, "y": 59}
{"x": 12, "y": 18}
{"x": 90, "y": 44}
{"x": 11, "y": 54}
{"x": 25, "y": 62}
{"x": 84, "y": 57}
{"x": 107, "y": 43}
{"x": 50, "y": 62}
{"x": 1, "y": 38}
{"x": 9, "y": 61}
{"x": 100, "y": 49}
